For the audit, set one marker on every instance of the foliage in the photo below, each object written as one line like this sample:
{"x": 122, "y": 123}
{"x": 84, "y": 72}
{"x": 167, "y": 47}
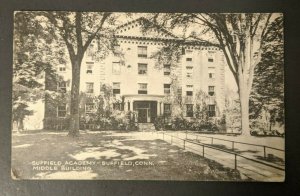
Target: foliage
{"x": 267, "y": 97}
{"x": 239, "y": 35}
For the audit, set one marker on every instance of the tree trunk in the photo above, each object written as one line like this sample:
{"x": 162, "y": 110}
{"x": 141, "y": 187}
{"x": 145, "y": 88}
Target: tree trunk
{"x": 244, "y": 102}
{"x": 74, "y": 109}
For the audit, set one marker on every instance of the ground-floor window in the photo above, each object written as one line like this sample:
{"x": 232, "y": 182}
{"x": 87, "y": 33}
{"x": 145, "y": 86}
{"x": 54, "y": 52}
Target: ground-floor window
{"x": 89, "y": 108}
{"x": 62, "y": 110}
{"x": 167, "y": 109}
{"x": 189, "y": 110}
{"x": 117, "y": 106}
{"x": 211, "y": 110}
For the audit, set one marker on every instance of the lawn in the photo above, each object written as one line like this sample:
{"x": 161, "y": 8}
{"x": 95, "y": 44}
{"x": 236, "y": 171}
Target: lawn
{"x": 109, "y": 155}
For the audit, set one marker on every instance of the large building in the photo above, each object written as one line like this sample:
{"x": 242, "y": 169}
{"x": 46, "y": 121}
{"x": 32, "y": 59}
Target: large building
{"x": 142, "y": 83}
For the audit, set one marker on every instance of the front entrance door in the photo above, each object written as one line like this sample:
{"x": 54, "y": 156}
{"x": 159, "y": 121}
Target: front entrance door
{"x": 142, "y": 115}
{"x": 146, "y": 110}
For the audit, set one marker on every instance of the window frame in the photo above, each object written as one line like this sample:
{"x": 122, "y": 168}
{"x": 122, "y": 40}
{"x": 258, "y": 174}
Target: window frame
{"x": 143, "y": 90}
{"x": 211, "y": 110}
{"x": 90, "y": 111}
{"x": 62, "y": 88}
{"x": 167, "y": 90}
{"x": 189, "y": 111}
{"x": 114, "y": 70}
{"x": 88, "y": 89}
{"x": 167, "y": 69}
{"x": 59, "y": 111}
{"x": 170, "y": 109}
{"x": 116, "y": 90}
{"x": 142, "y": 51}
{"x": 140, "y": 70}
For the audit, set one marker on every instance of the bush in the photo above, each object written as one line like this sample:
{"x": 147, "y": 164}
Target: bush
{"x": 159, "y": 123}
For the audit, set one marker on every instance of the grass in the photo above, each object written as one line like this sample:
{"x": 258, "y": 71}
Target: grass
{"x": 144, "y": 157}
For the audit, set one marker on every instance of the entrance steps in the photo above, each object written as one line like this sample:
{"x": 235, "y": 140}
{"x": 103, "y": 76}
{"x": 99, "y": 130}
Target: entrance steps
{"x": 146, "y": 127}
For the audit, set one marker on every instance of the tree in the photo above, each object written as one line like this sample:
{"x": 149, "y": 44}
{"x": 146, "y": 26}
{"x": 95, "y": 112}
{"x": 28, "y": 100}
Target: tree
{"x": 32, "y": 57}
{"x": 240, "y": 37}
{"x": 77, "y": 30}
{"x": 268, "y": 84}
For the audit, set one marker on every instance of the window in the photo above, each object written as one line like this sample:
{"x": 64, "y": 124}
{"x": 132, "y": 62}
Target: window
{"x": 89, "y": 87}
{"x": 62, "y": 110}
{"x": 142, "y": 51}
{"x": 189, "y": 59}
{"x": 167, "y": 109}
{"x": 117, "y": 106}
{"x": 189, "y": 93}
{"x": 167, "y": 70}
{"x": 116, "y": 68}
{"x": 142, "y": 88}
{"x": 89, "y": 108}
{"x": 210, "y": 56}
{"x": 211, "y": 72}
{"x": 167, "y": 88}
{"x": 89, "y": 67}
{"x": 62, "y": 69}
{"x": 189, "y": 75}
{"x": 62, "y": 86}
{"x": 211, "y": 110}
{"x": 211, "y": 90}
{"x": 189, "y": 72}
{"x": 116, "y": 88}
{"x": 189, "y": 110}
{"x": 142, "y": 69}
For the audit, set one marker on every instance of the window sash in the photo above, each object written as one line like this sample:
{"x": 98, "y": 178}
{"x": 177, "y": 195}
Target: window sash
{"x": 116, "y": 68}
{"x": 62, "y": 110}
{"x": 90, "y": 87}
{"x": 89, "y": 107}
{"x": 142, "y": 69}
{"x": 189, "y": 110}
{"x": 142, "y": 51}
{"x": 167, "y": 70}
{"x": 167, "y": 109}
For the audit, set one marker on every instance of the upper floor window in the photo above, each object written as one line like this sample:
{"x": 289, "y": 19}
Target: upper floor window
{"x": 210, "y": 59}
{"x": 116, "y": 88}
{"x": 210, "y": 56}
{"x": 62, "y": 68}
{"x": 211, "y": 110}
{"x": 211, "y": 72}
{"x": 167, "y": 109}
{"x": 189, "y": 110}
{"x": 167, "y": 88}
{"x": 142, "y": 88}
{"x": 89, "y": 87}
{"x": 62, "y": 86}
{"x": 211, "y": 90}
{"x": 142, "y": 51}
{"x": 189, "y": 59}
{"x": 62, "y": 110}
{"x": 189, "y": 71}
{"x": 167, "y": 69}
{"x": 116, "y": 68}
{"x": 142, "y": 69}
{"x": 89, "y": 67}
{"x": 189, "y": 93}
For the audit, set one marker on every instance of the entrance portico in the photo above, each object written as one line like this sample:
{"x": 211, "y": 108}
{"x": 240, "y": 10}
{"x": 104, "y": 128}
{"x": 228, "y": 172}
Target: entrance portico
{"x": 147, "y": 107}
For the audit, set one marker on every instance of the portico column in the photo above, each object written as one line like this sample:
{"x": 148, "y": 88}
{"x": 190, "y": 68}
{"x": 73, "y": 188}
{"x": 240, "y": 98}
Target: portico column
{"x": 131, "y": 105}
{"x": 158, "y": 108}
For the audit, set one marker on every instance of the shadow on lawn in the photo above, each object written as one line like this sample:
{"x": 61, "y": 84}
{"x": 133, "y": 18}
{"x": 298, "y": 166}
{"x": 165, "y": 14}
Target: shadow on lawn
{"x": 169, "y": 162}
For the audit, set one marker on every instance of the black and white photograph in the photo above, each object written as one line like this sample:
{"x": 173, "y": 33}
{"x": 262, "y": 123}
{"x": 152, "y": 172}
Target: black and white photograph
{"x": 148, "y": 96}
